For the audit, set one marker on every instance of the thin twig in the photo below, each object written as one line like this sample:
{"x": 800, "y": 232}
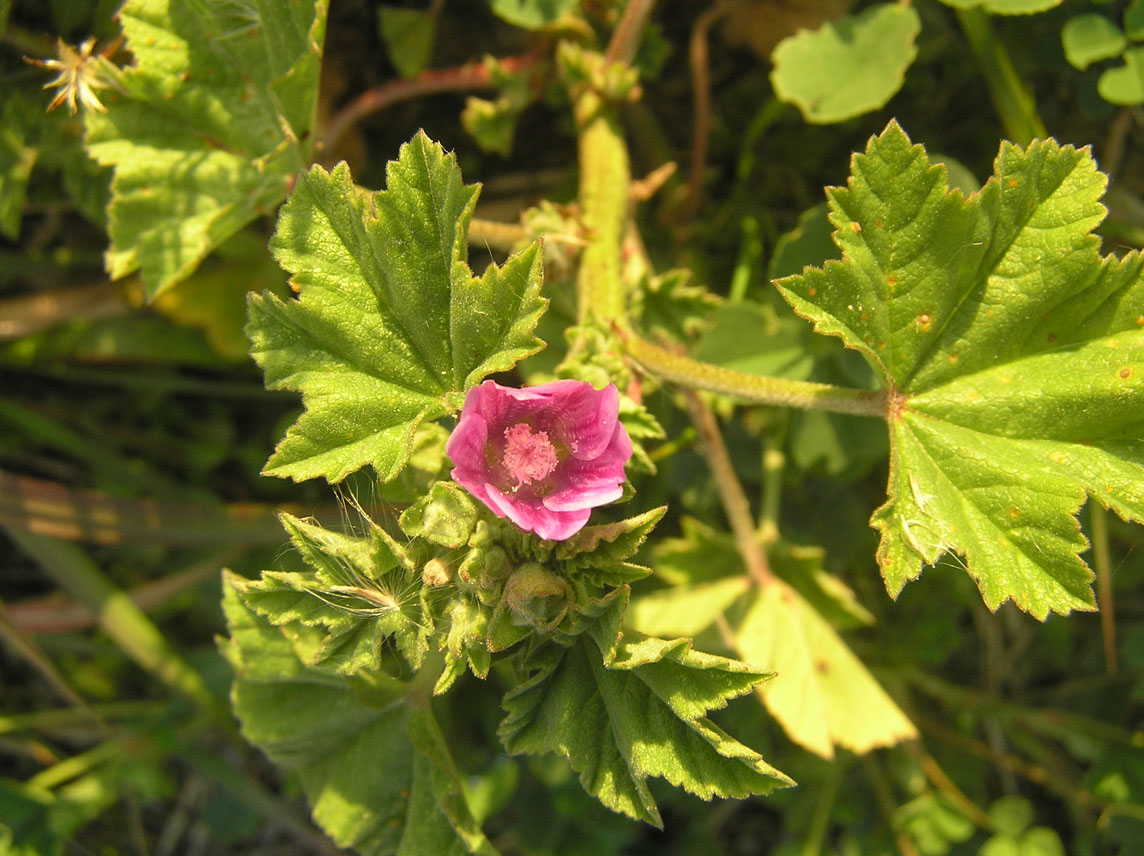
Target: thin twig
{"x": 701, "y": 104}
{"x": 944, "y": 784}
{"x": 626, "y": 38}
{"x": 473, "y": 75}
{"x": 1098, "y": 517}
{"x": 735, "y": 503}
{"x": 885, "y": 799}
{"x": 1115, "y": 145}
{"x": 30, "y": 313}
{"x": 18, "y": 638}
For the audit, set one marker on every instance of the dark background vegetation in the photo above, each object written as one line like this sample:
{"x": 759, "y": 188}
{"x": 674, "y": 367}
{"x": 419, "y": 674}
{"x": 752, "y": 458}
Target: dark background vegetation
{"x": 137, "y": 433}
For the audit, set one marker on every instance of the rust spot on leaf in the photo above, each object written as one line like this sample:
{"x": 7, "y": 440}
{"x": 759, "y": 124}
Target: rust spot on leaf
{"x": 1013, "y": 182}
{"x": 923, "y": 323}
{"x": 1014, "y": 513}
{"x": 812, "y": 292}
{"x": 821, "y": 666}
{"x": 1140, "y": 320}
{"x": 953, "y": 358}
{"x": 1125, "y": 372}
{"x": 857, "y": 227}
{"x": 1052, "y": 338}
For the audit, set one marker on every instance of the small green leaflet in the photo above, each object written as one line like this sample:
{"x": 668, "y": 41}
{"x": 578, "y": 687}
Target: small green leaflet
{"x": 532, "y": 14}
{"x": 1005, "y": 7}
{"x": 847, "y": 67}
{"x": 390, "y": 327}
{"x": 1011, "y": 353}
{"x": 207, "y": 129}
{"x": 375, "y": 768}
{"x": 623, "y": 712}
{"x": 1090, "y": 38}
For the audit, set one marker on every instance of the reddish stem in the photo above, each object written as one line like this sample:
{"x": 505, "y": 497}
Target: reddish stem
{"x": 473, "y": 75}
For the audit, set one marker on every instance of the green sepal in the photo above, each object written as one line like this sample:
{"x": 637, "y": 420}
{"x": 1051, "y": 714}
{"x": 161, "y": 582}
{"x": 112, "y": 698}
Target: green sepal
{"x": 445, "y": 516}
{"x": 341, "y": 614}
{"x": 605, "y": 546}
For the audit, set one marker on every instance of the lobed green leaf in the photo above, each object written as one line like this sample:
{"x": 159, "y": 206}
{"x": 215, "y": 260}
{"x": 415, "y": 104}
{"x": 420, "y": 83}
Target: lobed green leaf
{"x": 376, "y": 770}
{"x": 642, "y": 715}
{"x": 390, "y": 327}
{"x": 207, "y": 128}
{"x": 1012, "y": 355}
{"x": 847, "y": 67}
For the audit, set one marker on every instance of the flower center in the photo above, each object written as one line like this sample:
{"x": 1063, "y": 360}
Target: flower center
{"x": 528, "y": 456}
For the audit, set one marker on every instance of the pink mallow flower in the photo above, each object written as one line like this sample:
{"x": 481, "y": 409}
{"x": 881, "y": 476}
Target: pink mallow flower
{"x": 543, "y": 456}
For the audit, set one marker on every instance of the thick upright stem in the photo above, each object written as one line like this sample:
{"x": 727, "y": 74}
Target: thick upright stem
{"x": 605, "y": 175}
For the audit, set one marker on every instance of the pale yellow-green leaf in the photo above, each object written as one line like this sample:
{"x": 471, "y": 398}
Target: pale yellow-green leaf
{"x": 822, "y": 694}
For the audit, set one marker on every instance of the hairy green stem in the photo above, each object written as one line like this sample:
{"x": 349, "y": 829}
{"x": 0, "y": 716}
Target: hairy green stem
{"x": 605, "y": 175}
{"x": 777, "y": 392}
{"x": 1012, "y": 100}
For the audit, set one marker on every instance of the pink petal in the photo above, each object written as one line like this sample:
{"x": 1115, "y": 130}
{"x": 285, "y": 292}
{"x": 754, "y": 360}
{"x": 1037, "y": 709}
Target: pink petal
{"x": 584, "y": 495}
{"x": 531, "y": 516}
{"x": 593, "y": 430}
{"x": 466, "y": 445}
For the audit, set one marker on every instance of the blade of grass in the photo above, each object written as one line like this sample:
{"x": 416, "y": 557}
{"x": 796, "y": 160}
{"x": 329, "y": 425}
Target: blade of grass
{"x": 48, "y": 508}
{"x": 122, "y": 620}
{"x": 50, "y": 615}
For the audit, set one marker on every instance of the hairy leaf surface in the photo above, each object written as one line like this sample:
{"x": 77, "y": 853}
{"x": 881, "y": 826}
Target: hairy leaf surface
{"x": 376, "y": 770}
{"x": 1012, "y": 355}
{"x": 637, "y": 714}
{"x": 207, "y": 128}
{"x": 390, "y": 326}
{"x": 340, "y": 614}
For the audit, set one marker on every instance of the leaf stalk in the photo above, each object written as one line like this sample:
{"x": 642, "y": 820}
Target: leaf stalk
{"x": 757, "y": 389}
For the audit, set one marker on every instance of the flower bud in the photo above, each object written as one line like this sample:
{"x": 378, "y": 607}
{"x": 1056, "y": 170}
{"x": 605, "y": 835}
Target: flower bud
{"x": 537, "y": 597}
